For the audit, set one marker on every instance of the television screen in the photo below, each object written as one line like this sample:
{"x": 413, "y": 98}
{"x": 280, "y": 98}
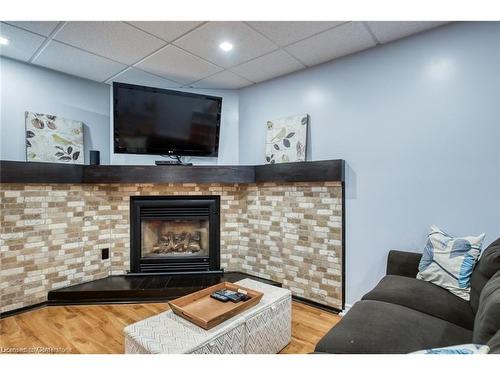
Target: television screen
{"x": 155, "y": 121}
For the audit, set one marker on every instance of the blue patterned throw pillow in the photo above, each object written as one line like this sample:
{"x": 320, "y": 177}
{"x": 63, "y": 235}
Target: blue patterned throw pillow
{"x": 448, "y": 261}
{"x": 457, "y": 349}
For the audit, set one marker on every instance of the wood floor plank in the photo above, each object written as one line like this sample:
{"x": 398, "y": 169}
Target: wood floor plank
{"x": 98, "y": 329}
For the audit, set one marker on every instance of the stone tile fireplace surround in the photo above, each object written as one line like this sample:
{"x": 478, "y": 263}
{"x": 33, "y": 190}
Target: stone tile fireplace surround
{"x": 52, "y": 234}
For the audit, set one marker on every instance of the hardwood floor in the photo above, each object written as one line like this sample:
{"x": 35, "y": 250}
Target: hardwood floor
{"x": 96, "y": 329}
{"x": 309, "y": 325}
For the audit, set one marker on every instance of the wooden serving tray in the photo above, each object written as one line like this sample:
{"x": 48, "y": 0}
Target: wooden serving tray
{"x": 207, "y": 312}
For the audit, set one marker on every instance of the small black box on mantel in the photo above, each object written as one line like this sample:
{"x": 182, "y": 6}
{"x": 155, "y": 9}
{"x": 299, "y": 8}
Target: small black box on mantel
{"x": 95, "y": 157}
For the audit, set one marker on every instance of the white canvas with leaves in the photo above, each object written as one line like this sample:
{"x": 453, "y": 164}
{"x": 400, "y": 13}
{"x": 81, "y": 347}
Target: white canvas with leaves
{"x": 53, "y": 139}
{"x": 286, "y": 139}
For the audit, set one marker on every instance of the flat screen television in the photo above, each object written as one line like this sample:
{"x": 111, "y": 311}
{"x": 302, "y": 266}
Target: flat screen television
{"x": 149, "y": 120}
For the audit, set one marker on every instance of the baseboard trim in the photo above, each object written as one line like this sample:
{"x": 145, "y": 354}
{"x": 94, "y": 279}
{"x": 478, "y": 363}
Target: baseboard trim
{"x": 20, "y": 310}
{"x": 316, "y": 304}
{"x": 258, "y": 278}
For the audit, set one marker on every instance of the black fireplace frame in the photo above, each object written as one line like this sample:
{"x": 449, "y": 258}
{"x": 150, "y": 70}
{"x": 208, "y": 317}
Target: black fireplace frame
{"x": 174, "y": 207}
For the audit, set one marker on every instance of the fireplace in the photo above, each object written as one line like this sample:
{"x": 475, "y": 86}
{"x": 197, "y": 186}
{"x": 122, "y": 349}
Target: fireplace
{"x": 173, "y": 234}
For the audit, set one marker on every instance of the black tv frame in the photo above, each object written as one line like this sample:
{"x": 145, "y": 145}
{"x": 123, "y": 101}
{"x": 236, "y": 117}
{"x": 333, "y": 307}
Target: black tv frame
{"x": 117, "y": 85}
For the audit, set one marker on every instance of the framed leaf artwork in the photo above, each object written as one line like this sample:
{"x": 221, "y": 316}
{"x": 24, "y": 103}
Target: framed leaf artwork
{"x": 286, "y": 139}
{"x": 53, "y": 139}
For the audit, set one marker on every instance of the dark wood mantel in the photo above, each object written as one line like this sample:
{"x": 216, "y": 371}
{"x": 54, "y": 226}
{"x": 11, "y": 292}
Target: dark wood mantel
{"x": 30, "y": 172}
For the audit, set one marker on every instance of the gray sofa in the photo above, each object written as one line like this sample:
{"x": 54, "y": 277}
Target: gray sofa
{"x": 403, "y": 314}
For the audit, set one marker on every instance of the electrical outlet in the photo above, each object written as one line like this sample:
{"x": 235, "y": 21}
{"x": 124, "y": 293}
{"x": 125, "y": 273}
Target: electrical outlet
{"x": 104, "y": 254}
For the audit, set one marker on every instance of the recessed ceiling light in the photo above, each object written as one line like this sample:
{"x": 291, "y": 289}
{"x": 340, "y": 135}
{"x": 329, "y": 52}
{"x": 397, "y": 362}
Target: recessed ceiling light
{"x": 3, "y": 41}
{"x": 226, "y": 46}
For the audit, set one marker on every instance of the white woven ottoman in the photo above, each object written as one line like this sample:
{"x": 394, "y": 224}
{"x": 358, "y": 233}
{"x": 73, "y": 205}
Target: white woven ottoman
{"x": 265, "y": 329}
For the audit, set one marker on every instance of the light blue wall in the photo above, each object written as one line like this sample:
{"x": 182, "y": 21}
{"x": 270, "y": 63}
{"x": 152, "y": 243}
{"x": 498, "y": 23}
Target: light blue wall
{"x": 418, "y": 122}
{"x": 27, "y": 87}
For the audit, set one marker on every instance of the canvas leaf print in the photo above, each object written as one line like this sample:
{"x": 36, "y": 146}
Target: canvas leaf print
{"x": 286, "y": 139}
{"x": 53, "y": 139}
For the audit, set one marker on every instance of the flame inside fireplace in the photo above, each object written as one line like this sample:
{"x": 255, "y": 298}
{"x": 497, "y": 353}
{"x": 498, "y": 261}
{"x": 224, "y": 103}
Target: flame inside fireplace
{"x": 174, "y": 237}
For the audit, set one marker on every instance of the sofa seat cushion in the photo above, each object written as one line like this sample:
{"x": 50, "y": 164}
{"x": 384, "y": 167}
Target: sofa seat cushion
{"x": 425, "y": 297}
{"x": 374, "y": 327}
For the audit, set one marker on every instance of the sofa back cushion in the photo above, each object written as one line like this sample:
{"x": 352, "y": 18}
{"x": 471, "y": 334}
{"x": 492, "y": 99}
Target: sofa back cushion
{"x": 486, "y": 267}
{"x": 487, "y": 320}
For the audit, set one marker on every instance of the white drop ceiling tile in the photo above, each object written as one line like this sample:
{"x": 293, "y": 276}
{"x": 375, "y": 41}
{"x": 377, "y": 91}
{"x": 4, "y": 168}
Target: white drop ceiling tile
{"x": 22, "y": 44}
{"x": 222, "y": 80}
{"x": 328, "y": 45}
{"x": 268, "y": 66}
{"x": 114, "y": 40}
{"x": 74, "y": 61}
{"x": 167, "y": 30}
{"x": 386, "y": 31}
{"x": 139, "y": 77}
{"x": 177, "y": 65}
{"x": 40, "y": 27}
{"x": 287, "y": 32}
{"x": 205, "y": 40}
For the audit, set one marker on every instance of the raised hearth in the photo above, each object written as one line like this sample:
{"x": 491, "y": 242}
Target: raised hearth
{"x": 174, "y": 234}
{"x": 122, "y": 288}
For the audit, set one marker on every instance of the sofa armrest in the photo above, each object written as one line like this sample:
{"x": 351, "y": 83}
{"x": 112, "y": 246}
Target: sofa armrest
{"x": 403, "y": 263}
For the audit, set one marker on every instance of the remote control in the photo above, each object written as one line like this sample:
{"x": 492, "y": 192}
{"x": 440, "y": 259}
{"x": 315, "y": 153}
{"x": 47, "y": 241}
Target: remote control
{"x": 245, "y": 297}
{"x": 219, "y": 297}
{"x": 233, "y": 296}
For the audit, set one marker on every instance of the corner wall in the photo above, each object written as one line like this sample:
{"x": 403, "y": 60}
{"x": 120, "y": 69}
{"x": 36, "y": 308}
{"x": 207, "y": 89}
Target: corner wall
{"x": 418, "y": 123}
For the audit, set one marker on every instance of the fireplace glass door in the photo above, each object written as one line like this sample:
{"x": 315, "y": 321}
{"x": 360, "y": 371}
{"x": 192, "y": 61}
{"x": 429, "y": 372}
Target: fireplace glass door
{"x": 172, "y": 234}
{"x": 175, "y": 237}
